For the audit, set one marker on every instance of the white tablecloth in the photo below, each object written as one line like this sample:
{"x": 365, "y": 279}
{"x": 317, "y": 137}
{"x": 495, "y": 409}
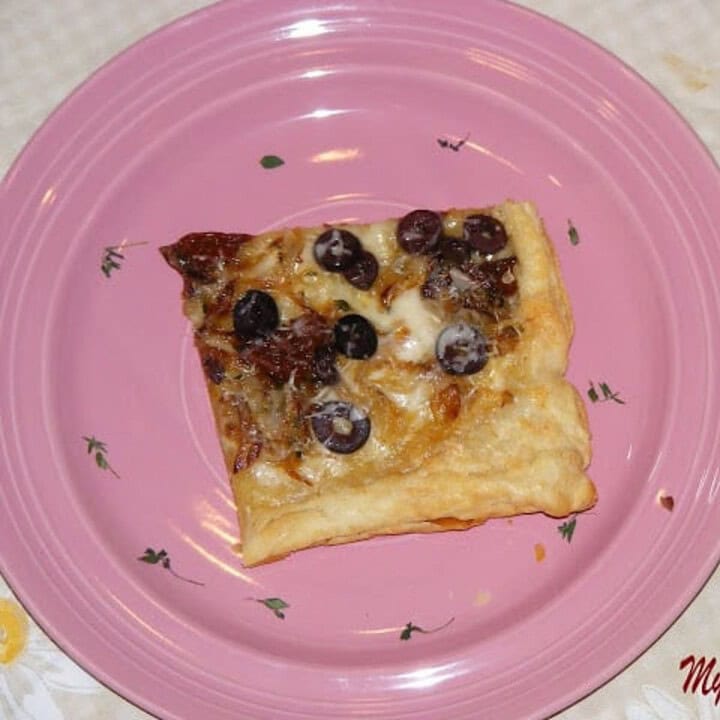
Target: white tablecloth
{"x": 47, "y": 47}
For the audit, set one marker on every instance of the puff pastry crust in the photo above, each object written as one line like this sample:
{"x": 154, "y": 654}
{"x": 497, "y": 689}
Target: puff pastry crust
{"x": 445, "y": 452}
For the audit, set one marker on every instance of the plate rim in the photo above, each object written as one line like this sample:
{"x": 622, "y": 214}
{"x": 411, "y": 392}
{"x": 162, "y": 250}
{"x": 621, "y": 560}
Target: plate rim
{"x": 197, "y": 16}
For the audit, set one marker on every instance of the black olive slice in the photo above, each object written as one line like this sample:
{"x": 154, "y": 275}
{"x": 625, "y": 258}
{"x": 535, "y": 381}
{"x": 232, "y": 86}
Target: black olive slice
{"x": 255, "y": 315}
{"x": 461, "y": 349}
{"x": 355, "y": 337}
{"x": 363, "y": 272}
{"x": 340, "y": 426}
{"x": 336, "y": 250}
{"x": 484, "y": 233}
{"x": 418, "y": 233}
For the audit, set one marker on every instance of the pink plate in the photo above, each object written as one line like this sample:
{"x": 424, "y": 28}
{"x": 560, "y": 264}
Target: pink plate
{"x": 367, "y": 104}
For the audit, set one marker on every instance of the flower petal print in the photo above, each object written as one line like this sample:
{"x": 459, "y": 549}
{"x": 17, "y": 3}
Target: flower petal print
{"x": 27, "y": 696}
{"x": 660, "y": 705}
{"x": 31, "y": 668}
{"x": 707, "y": 708}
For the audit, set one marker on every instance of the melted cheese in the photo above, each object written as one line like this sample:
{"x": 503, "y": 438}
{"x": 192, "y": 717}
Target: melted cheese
{"x": 411, "y": 312}
{"x": 408, "y": 312}
{"x": 268, "y": 474}
{"x": 415, "y": 400}
{"x": 263, "y": 267}
{"x": 410, "y": 327}
{"x": 379, "y": 239}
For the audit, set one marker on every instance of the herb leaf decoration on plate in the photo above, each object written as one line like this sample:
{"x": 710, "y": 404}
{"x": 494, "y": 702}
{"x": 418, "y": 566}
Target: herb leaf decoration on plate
{"x": 99, "y": 448}
{"x": 111, "y": 260}
{"x": 607, "y": 394}
{"x": 573, "y": 234}
{"x": 270, "y": 162}
{"x": 454, "y": 146}
{"x": 567, "y": 529}
{"x": 410, "y": 628}
{"x": 113, "y": 257}
{"x": 277, "y": 605}
{"x": 161, "y": 557}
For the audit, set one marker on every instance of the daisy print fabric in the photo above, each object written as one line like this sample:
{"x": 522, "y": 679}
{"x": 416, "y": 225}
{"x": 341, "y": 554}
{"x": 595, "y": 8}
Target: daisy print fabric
{"x": 37, "y": 682}
{"x": 657, "y": 704}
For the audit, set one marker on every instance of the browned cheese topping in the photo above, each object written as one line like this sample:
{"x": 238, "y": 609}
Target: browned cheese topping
{"x": 440, "y": 299}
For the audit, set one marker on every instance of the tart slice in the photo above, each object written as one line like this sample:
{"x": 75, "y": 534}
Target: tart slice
{"x": 393, "y": 377}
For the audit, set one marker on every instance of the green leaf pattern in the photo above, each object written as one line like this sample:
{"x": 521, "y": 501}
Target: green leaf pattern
{"x": 567, "y": 529}
{"x": 607, "y": 394}
{"x": 269, "y": 162}
{"x": 161, "y": 557}
{"x": 573, "y": 234}
{"x": 99, "y": 450}
{"x": 411, "y": 628}
{"x": 277, "y": 605}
